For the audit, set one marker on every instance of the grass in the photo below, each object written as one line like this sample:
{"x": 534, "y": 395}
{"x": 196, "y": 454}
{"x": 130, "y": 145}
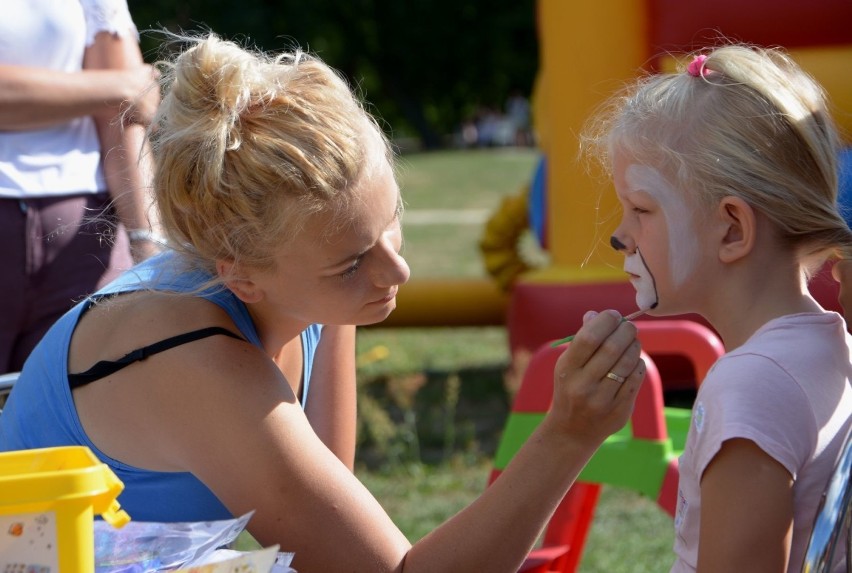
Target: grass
{"x": 629, "y": 533}
{"x": 419, "y": 497}
{"x": 472, "y": 180}
{"x": 412, "y": 350}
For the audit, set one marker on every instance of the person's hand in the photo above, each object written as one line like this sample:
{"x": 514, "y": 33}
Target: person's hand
{"x": 842, "y": 273}
{"x": 139, "y": 95}
{"x": 143, "y": 95}
{"x": 590, "y": 402}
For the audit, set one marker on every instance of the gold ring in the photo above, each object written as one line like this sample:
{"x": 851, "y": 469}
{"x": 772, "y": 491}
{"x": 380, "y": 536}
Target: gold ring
{"x": 616, "y": 377}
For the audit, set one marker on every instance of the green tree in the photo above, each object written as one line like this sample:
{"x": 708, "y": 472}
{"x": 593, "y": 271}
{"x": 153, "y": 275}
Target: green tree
{"x": 425, "y": 65}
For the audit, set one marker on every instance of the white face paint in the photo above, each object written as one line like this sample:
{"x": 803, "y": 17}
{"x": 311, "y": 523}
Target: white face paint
{"x": 646, "y": 289}
{"x": 683, "y": 245}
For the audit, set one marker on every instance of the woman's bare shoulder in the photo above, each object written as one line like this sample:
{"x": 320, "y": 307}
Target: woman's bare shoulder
{"x": 173, "y": 397}
{"x": 114, "y": 326}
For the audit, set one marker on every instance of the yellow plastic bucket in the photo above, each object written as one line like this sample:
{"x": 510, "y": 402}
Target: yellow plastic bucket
{"x": 48, "y": 500}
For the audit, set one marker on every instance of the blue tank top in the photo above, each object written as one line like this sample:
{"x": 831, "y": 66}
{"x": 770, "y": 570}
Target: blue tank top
{"x": 40, "y": 412}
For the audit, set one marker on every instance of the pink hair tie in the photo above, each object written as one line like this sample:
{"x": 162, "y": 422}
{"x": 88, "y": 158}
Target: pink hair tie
{"x": 696, "y": 66}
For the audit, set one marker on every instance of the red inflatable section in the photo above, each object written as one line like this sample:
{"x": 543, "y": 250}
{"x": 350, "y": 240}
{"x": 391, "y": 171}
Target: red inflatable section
{"x": 678, "y": 26}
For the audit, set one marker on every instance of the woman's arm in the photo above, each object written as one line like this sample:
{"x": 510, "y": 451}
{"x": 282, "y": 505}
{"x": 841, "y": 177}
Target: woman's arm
{"x": 252, "y": 445}
{"x": 221, "y": 409}
{"x": 331, "y": 407}
{"x": 496, "y": 532}
{"x": 746, "y": 511}
{"x": 36, "y": 98}
{"x": 126, "y": 156}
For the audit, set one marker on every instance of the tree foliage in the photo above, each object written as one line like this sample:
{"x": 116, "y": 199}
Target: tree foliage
{"x": 424, "y": 65}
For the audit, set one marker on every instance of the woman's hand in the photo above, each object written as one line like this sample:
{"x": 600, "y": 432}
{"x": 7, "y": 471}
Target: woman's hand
{"x": 587, "y": 404}
{"x": 139, "y": 95}
{"x": 142, "y": 97}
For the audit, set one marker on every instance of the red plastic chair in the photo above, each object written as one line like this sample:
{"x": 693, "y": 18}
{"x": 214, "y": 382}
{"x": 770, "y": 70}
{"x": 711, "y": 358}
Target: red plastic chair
{"x": 701, "y": 347}
{"x": 645, "y": 445}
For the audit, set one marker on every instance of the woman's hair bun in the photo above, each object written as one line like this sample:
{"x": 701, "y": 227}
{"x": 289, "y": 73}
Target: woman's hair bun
{"x": 248, "y": 145}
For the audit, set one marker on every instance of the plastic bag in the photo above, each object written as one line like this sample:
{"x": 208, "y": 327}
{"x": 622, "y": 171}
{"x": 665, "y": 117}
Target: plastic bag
{"x": 152, "y": 547}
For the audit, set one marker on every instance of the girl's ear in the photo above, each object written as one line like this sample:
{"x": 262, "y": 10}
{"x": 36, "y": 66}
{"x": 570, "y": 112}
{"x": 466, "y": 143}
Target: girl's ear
{"x": 244, "y": 288}
{"x": 739, "y": 226}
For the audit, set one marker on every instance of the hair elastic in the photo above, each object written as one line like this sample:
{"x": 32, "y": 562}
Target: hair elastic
{"x": 696, "y": 66}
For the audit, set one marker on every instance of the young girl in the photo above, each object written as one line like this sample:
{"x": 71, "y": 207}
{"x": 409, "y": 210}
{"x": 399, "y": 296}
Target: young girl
{"x": 219, "y": 378}
{"x": 727, "y": 177}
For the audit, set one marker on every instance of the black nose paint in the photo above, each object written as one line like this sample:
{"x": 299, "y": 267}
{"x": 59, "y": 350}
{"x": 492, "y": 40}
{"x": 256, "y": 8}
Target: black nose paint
{"x": 616, "y": 244}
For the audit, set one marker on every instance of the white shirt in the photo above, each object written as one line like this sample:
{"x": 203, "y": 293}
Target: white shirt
{"x": 63, "y": 159}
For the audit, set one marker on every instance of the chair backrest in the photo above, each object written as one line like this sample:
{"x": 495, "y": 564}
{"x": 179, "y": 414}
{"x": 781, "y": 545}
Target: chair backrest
{"x": 647, "y": 445}
{"x": 6, "y": 383}
{"x": 644, "y": 445}
{"x": 833, "y": 518}
{"x": 691, "y": 340}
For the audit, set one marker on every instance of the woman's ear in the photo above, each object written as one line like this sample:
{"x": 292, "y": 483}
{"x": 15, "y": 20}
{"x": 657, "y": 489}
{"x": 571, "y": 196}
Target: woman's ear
{"x": 244, "y": 288}
{"x": 739, "y": 226}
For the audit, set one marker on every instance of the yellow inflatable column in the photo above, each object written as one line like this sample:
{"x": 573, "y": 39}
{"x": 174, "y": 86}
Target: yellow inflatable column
{"x": 588, "y": 51}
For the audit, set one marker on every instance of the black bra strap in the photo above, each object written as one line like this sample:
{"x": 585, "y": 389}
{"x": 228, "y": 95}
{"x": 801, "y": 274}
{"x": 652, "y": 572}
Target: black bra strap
{"x": 106, "y": 367}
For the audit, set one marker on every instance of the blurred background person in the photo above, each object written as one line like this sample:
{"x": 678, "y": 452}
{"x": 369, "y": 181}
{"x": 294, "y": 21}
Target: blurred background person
{"x": 75, "y": 97}
{"x": 519, "y": 115}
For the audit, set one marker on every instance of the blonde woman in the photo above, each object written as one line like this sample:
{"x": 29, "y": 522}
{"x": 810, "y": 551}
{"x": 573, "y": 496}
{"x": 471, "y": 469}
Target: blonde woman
{"x": 219, "y": 377}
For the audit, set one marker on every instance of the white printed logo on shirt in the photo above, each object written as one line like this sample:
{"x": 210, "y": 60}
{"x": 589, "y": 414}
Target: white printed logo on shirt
{"x": 698, "y": 416}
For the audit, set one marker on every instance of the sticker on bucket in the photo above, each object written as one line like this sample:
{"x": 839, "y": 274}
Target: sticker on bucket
{"x": 28, "y": 543}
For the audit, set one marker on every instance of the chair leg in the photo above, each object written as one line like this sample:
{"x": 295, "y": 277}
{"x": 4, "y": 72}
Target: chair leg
{"x": 570, "y": 524}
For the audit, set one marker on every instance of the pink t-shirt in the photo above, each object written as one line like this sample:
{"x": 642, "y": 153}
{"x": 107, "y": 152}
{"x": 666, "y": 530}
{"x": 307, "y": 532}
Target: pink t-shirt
{"x": 788, "y": 390}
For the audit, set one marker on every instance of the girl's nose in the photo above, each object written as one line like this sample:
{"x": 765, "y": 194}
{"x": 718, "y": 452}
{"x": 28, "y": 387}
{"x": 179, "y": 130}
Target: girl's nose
{"x": 616, "y": 244}
{"x": 622, "y": 243}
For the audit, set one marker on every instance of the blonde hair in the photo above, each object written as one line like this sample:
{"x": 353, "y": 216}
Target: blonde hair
{"x": 751, "y": 124}
{"x": 248, "y": 146}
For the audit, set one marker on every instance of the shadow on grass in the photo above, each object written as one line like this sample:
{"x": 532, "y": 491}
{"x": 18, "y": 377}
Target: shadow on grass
{"x": 429, "y": 417}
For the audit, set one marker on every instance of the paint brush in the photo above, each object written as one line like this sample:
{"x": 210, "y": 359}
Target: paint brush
{"x": 631, "y": 316}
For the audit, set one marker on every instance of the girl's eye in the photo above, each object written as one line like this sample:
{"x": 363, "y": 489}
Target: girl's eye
{"x": 640, "y": 210}
{"x": 350, "y": 272}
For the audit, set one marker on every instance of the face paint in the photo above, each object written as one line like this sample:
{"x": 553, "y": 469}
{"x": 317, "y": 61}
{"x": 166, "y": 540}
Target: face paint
{"x": 643, "y": 281}
{"x": 645, "y": 285}
{"x": 683, "y": 246}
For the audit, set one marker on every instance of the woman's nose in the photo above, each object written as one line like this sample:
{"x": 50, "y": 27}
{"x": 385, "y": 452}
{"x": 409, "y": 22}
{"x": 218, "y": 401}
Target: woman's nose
{"x": 392, "y": 271}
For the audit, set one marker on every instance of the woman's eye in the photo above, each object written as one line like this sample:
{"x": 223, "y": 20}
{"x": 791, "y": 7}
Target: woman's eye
{"x": 350, "y": 272}
{"x": 639, "y": 210}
